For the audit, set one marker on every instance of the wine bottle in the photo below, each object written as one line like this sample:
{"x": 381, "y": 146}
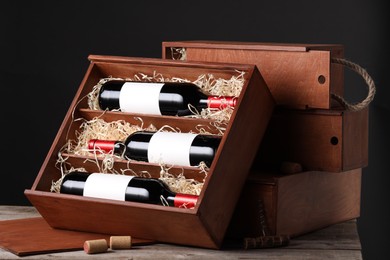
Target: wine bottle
{"x": 158, "y": 98}
{"x": 179, "y": 149}
{"x": 125, "y": 188}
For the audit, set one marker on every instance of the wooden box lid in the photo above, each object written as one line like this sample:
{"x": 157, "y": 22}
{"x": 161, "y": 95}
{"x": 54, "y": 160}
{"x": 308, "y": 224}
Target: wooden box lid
{"x": 298, "y": 75}
{"x": 203, "y": 226}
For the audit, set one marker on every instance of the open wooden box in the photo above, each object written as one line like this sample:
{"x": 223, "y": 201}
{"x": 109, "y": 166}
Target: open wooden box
{"x": 298, "y": 75}
{"x": 203, "y": 226}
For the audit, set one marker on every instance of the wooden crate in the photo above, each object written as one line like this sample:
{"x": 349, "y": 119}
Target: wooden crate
{"x": 320, "y": 140}
{"x": 203, "y": 226}
{"x": 298, "y": 75}
{"x": 295, "y": 204}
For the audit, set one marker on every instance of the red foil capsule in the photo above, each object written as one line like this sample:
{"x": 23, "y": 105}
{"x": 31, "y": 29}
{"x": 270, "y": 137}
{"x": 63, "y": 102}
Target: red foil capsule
{"x": 104, "y": 145}
{"x": 187, "y": 201}
{"x": 222, "y": 102}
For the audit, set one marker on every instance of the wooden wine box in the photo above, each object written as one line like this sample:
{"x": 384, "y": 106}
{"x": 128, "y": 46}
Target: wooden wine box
{"x": 203, "y": 226}
{"x": 334, "y": 140}
{"x": 308, "y": 127}
{"x": 294, "y": 204}
{"x": 298, "y": 75}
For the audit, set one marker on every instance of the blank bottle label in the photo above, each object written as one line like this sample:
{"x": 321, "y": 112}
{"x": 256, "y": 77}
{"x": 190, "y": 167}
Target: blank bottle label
{"x": 170, "y": 148}
{"x": 141, "y": 98}
{"x": 106, "y": 186}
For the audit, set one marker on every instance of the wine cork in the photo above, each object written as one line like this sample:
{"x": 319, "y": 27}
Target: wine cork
{"x": 120, "y": 242}
{"x": 95, "y": 246}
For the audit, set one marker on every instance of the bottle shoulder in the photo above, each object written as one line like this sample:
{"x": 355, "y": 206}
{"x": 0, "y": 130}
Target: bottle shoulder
{"x": 152, "y": 184}
{"x": 140, "y": 136}
{"x": 75, "y": 176}
{"x": 112, "y": 85}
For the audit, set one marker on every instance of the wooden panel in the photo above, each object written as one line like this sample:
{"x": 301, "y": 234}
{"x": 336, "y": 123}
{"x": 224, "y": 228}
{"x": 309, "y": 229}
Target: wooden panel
{"x": 144, "y": 169}
{"x": 305, "y": 138}
{"x": 322, "y": 140}
{"x": 289, "y": 89}
{"x": 299, "y": 76}
{"x": 296, "y": 204}
{"x": 184, "y": 124}
{"x": 167, "y": 47}
{"x": 315, "y": 200}
{"x": 355, "y": 141}
{"x": 244, "y": 138}
{"x": 178, "y": 226}
{"x": 31, "y": 236}
{"x": 204, "y": 226}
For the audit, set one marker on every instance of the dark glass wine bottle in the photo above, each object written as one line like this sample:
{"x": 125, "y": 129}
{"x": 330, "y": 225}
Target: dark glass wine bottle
{"x": 180, "y": 149}
{"x": 158, "y": 98}
{"x": 125, "y": 188}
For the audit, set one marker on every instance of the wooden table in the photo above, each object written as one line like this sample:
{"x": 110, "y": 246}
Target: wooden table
{"x": 340, "y": 241}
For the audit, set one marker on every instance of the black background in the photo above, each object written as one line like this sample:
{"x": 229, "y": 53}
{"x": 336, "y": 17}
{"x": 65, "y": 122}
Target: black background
{"x": 44, "y": 47}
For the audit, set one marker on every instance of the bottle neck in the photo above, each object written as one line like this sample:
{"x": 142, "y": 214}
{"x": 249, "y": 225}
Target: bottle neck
{"x": 218, "y": 102}
{"x": 106, "y": 146}
{"x": 180, "y": 200}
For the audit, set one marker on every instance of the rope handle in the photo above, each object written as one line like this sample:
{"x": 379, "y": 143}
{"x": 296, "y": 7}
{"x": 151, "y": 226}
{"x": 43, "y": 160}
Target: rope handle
{"x": 369, "y": 81}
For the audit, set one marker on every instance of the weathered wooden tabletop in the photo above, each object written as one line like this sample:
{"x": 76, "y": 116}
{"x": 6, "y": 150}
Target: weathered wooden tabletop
{"x": 340, "y": 241}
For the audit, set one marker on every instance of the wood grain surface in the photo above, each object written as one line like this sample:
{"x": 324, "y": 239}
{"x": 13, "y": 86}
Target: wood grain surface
{"x": 340, "y": 241}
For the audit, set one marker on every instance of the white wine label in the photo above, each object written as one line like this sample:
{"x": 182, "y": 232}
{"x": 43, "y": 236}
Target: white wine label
{"x": 106, "y": 186}
{"x": 136, "y": 97}
{"x": 170, "y": 148}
